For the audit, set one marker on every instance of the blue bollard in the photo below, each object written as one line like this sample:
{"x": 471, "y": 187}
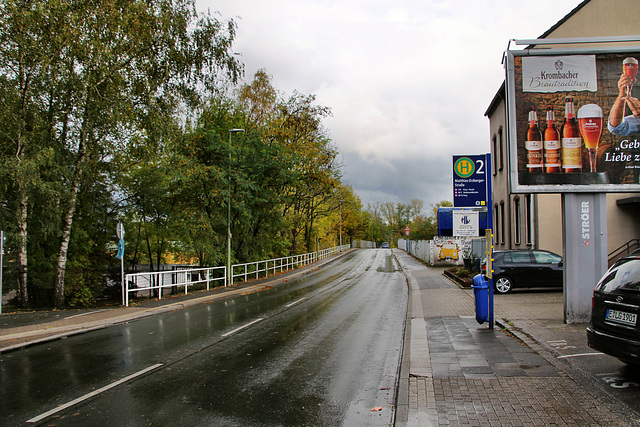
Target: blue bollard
{"x": 481, "y": 293}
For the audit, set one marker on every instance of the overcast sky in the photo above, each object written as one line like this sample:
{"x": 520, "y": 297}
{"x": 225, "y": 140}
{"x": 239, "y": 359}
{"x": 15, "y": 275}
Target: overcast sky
{"x": 407, "y": 81}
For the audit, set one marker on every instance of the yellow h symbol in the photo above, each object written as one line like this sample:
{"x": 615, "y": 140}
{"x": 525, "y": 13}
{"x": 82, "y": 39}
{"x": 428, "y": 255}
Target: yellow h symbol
{"x": 465, "y": 167}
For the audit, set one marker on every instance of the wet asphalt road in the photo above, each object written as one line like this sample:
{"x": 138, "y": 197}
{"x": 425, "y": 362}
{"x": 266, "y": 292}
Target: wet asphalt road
{"x": 322, "y": 350}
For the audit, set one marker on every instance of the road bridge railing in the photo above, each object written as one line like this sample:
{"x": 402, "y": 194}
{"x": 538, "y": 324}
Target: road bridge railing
{"x": 153, "y": 283}
{"x": 261, "y": 269}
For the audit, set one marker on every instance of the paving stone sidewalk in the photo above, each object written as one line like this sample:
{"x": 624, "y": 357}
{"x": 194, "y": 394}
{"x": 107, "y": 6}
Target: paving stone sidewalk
{"x": 460, "y": 373}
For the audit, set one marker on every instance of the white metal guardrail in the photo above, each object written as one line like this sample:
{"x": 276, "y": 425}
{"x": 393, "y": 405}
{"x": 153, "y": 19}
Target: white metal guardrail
{"x": 153, "y": 283}
{"x": 259, "y": 269}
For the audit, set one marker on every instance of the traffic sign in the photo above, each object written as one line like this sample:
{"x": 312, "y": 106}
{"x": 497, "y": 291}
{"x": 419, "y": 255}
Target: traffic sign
{"x": 469, "y": 181}
{"x": 120, "y": 230}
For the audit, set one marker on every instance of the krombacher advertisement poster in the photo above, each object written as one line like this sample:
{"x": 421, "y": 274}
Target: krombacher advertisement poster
{"x": 574, "y": 120}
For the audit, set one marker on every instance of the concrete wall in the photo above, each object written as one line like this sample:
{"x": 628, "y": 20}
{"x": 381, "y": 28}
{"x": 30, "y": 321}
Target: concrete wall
{"x": 549, "y": 228}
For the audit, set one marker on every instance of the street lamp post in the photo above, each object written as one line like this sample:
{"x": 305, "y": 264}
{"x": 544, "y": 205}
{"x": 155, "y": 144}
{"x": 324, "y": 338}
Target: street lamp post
{"x": 229, "y": 272}
{"x": 341, "y": 224}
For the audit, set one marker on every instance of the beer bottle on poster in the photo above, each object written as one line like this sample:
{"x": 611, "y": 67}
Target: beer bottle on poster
{"x": 551, "y": 143}
{"x": 533, "y": 144}
{"x": 571, "y": 140}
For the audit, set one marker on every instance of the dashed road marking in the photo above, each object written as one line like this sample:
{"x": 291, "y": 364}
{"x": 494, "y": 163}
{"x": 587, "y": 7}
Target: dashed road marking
{"x": 295, "y": 302}
{"x": 241, "y": 327}
{"x": 93, "y": 393}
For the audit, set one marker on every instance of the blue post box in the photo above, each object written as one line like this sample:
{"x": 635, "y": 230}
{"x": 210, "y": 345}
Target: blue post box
{"x": 481, "y": 293}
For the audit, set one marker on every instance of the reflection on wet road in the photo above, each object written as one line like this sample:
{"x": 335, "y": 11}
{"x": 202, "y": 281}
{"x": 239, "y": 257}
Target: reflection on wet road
{"x": 322, "y": 350}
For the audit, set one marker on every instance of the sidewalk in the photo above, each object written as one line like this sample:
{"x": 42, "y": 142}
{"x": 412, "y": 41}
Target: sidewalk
{"x": 457, "y": 372}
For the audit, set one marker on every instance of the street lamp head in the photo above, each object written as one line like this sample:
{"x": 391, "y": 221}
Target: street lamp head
{"x": 236, "y": 130}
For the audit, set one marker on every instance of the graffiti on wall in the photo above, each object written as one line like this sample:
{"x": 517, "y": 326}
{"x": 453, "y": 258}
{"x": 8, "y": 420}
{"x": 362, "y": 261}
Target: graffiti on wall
{"x": 449, "y": 250}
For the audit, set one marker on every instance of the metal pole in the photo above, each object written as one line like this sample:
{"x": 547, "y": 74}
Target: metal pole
{"x": 124, "y": 285}
{"x": 490, "y": 225}
{"x": 229, "y": 270}
{"x": 341, "y": 225}
{"x": 1, "y": 265}
{"x": 228, "y": 281}
{"x": 120, "y": 234}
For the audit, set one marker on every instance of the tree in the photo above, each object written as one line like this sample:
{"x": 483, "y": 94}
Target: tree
{"x": 298, "y": 129}
{"x": 258, "y": 100}
{"x": 29, "y": 53}
{"x": 84, "y": 78}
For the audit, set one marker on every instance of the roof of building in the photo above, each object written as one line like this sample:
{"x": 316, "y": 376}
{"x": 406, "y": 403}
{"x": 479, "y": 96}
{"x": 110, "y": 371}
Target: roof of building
{"x": 497, "y": 99}
{"x": 500, "y": 94}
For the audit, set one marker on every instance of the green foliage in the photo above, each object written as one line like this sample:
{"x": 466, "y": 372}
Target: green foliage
{"x": 82, "y": 82}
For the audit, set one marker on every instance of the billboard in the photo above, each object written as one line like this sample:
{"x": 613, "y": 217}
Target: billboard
{"x": 571, "y": 123}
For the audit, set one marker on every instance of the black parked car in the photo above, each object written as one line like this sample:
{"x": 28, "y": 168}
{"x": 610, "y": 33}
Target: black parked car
{"x": 614, "y": 316}
{"x": 526, "y": 269}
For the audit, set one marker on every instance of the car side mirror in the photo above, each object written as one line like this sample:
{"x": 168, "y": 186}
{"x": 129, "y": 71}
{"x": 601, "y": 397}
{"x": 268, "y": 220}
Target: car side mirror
{"x": 560, "y": 264}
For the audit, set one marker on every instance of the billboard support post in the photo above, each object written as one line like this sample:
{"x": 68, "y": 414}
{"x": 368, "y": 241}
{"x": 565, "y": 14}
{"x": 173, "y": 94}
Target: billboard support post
{"x": 584, "y": 218}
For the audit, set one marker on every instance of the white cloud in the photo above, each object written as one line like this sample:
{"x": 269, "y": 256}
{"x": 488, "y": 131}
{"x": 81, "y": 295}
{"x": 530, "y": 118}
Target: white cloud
{"x": 408, "y": 81}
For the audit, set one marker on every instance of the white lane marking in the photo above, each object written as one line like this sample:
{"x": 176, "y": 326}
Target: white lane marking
{"x": 93, "y": 393}
{"x": 295, "y": 302}
{"x": 579, "y": 355}
{"x": 84, "y": 314}
{"x": 241, "y": 327}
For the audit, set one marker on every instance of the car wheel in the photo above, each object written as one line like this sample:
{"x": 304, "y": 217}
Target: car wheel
{"x": 503, "y": 284}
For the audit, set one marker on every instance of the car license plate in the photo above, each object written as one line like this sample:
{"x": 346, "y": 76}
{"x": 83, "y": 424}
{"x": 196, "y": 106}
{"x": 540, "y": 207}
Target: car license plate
{"x": 622, "y": 317}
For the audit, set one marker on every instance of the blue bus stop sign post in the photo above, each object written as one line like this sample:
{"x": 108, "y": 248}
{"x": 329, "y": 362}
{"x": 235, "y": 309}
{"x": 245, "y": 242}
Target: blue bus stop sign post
{"x": 489, "y": 237}
{"x": 472, "y": 189}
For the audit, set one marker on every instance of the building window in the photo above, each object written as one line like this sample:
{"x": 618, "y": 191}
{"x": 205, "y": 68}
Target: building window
{"x": 529, "y": 222}
{"x": 516, "y": 219}
{"x": 502, "y": 223}
{"x": 501, "y": 145}
{"x": 496, "y": 220}
{"x": 494, "y": 155}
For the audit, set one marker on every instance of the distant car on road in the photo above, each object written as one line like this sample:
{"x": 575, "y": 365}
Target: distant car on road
{"x": 614, "y": 327}
{"x": 385, "y": 245}
{"x": 526, "y": 269}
